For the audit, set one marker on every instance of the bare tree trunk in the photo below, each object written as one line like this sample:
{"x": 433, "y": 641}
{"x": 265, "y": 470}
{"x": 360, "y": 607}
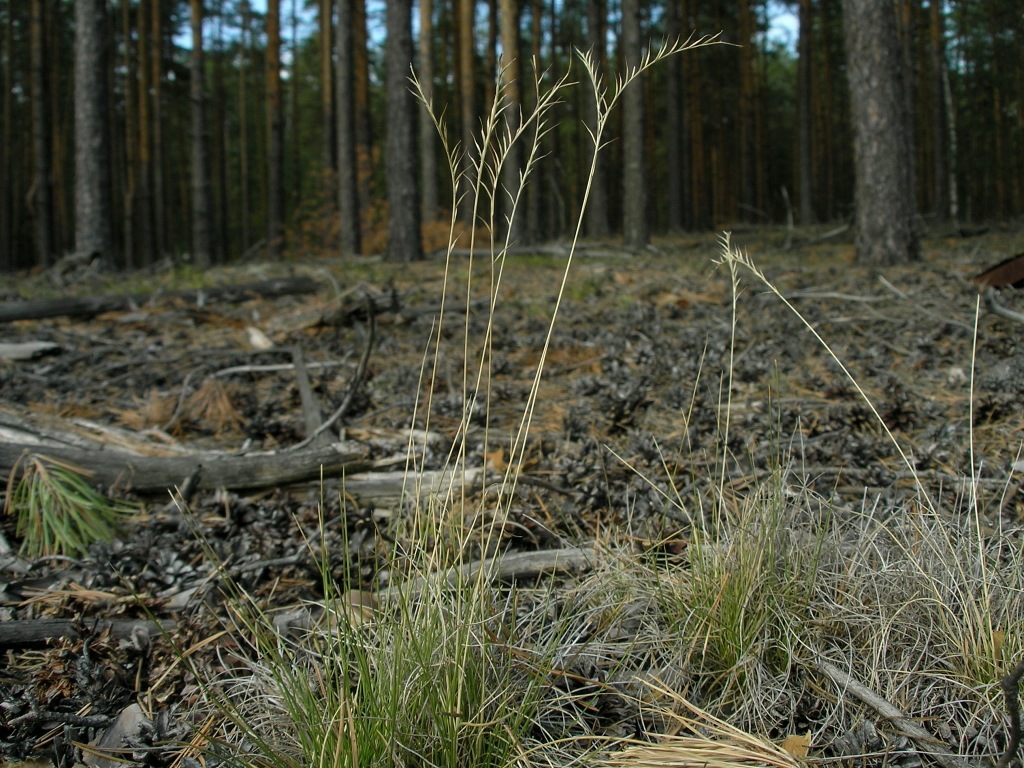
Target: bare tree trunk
{"x": 156, "y": 79}
{"x": 635, "y": 229}
{"x": 7, "y": 261}
{"x": 466, "y": 84}
{"x": 673, "y": 124}
{"x": 884, "y": 189}
{"x": 42, "y": 187}
{"x": 348, "y": 172}
{"x": 243, "y": 123}
{"x": 511, "y": 75}
{"x": 144, "y": 196}
{"x": 275, "y": 133}
{"x": 404, "y": 242}
{"x": 940, "y": 135}
{"x": 597, "y": 38}
{"x": 328, "y": 121}
{"x": 747, "y": 114}
{"x": 200, "y": 163}
{"x": 93, "y": 231}
{"x": 221, "y": 245}
{"x": 535, "y": 192}
{"x": 428, "y": 133}
{"x": 804, "y": 148}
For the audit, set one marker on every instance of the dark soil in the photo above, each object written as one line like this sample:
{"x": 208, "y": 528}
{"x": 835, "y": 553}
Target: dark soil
{"x": 631, "y": 411}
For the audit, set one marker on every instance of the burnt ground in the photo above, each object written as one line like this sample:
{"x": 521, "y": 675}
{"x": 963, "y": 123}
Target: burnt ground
{"x": 630, "y": 411}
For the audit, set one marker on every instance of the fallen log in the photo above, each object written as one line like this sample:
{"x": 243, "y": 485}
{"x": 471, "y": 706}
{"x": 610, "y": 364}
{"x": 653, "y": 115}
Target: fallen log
{"x": 212, "y": 470}
{"x": 88, "y": 306}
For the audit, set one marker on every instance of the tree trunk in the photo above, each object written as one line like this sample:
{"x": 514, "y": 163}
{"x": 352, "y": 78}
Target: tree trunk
{"x": 93, "y": 231}
{"x": 275, "y": 133}
{"x": 673, "y": 124}
{"x": 144, "y": 198}
{"x": 428, "y": 133}
{"x": 597, "y": 38}
{"x": 156, "y": 79}
{"x": 7, "y": 260}
{"x": 221, "y": 245}
{"x": 42, "y": 186}
{"x": 467, "y": 86}
{"x": 513, "y": 105}
{"x": 635, "y": 229}
{"x": 348, "y": 172}
{"x": 804, "y": 148}
{"x": 328, "y": 120}
{"x": 940, "y": 136}
{"x": 884, "y": 193}
{"x": 401, "y": 160}
{"x": 243, "y": 123}
{"x": 200, "y": 163}
{"x": 747, "y": 133}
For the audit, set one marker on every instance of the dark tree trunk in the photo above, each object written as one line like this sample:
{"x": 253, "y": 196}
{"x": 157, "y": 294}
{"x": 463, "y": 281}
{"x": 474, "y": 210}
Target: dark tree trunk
{"x": 401, "y": 159}
{"x": 156, "y": 80}
{"x": 275, "y": 133}
{"x": 428, "y": 133}
{"x": 884, "y": 191}
{"x": 597, "y": 38}
{"x": 804, "y": 149}
{"x": 7, "y": 261}
{"x": 327, "y": 86}
{"x": 348, "y": 169}
{"x": 940, "y": 135}
{"x": 42, "y": 187}
{"x": 200, "y": 162}
{"x": 673, "y": 124}
{"x": 93, "y": 230}
{"x": 635, "y": 229}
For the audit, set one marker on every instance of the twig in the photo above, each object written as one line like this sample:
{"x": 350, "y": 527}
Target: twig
{"x": 933, "y": 747}
{"x": 357, "y": 379}
{"x": 926, "y": 312}
{"x": 996, "y": 308}
{"x": 1011, "y": 690}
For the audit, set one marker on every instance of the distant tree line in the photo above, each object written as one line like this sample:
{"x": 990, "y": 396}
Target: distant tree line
{"x": 141, "y": 129}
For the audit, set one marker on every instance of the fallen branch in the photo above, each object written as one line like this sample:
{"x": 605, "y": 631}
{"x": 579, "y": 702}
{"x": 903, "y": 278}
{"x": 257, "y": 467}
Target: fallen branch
{"x": 930, "y": 744}
{"x": 88, "y": 306}
{"x": 1011, "y": 691}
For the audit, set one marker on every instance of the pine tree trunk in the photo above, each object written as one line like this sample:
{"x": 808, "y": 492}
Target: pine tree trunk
{"x": 156, "y": 79}
{"x": 511, "y": 76}
{"x": 428, "y": 133}
{"x": 466, "y": 85}
{"x": 348, "y": 171}
{"x": 275, "y": 133}
{"x": 401, "y": 158}
{"x": 634, "y": 175}
{"x": 327, "y": 87}
{"x": 42, "y": 187}
{"x": 940, "y": 136}
{"x": 597, "y": 38}
{"x": 7, "y": 261}
{"x": 884, "y": 191}
{"x": 804, "y": 148}
{"x": 93, "y": 232}
{"x": 243, "y": 124}
{"x": 200, "y": 164}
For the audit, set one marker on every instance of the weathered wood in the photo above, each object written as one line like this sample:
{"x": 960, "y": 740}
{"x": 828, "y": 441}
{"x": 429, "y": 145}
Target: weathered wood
{"x": 149, "y": 474}
{"x": 87, "y": 306}
{"x": 28, "y": 633}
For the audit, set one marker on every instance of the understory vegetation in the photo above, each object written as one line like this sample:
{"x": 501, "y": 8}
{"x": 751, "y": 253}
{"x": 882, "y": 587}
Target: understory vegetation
{"x": 760, "y": 623}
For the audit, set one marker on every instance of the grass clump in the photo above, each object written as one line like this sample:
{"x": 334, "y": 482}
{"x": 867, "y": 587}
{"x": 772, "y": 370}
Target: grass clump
{"x": 58, "y": 512}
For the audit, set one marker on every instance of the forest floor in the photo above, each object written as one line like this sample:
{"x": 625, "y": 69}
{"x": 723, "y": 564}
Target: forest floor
{"x": 627, "y": 430}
